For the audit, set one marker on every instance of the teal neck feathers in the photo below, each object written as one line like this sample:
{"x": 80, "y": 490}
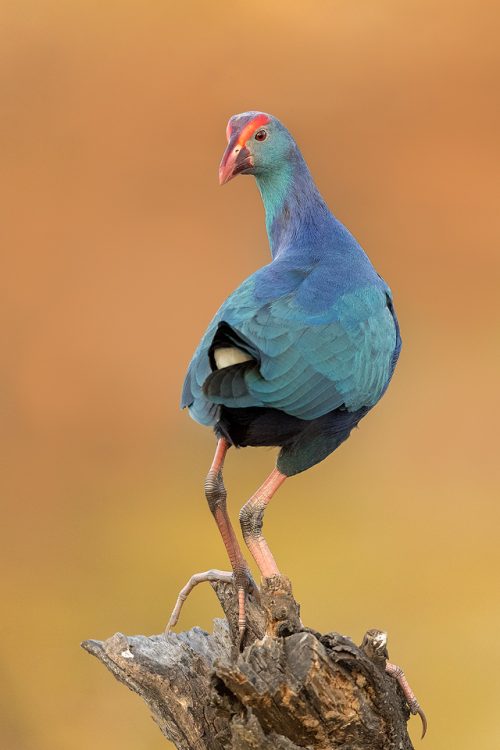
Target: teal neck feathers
{"x": 295, "y": 210}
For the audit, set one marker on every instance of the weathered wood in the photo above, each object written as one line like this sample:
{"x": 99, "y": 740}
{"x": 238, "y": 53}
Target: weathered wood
{"x": 288, "y": 688}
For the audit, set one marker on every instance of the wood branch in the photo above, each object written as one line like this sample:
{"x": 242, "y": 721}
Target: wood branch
{"x": 288, "y": 688}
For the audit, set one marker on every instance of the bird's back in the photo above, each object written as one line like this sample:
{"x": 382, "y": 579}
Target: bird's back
{"x": 318, "y": 330}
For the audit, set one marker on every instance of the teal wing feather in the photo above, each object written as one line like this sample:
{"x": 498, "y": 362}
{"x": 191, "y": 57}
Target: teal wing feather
{"x": 307, "y": 363}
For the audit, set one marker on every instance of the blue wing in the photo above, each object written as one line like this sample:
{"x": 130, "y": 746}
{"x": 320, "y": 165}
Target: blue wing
{"x": 313, "y": 352}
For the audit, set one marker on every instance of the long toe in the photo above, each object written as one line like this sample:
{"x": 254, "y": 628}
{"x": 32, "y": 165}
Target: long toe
{"x": 245, "y": 585}
{"x": 399, "y": 675}
{"x": 209, "y": 575}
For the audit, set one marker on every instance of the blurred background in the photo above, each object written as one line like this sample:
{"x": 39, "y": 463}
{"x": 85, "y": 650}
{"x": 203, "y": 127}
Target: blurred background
{"x": 118, "y": 246}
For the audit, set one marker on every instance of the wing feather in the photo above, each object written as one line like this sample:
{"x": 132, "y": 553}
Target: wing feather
{"x": 309, "y": 364}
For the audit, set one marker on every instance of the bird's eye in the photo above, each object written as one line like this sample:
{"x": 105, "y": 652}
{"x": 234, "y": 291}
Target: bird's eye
{"x": 261, "y": 135}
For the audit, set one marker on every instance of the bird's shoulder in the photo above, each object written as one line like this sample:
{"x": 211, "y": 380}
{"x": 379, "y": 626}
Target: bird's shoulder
{"x": 309, "y": 291}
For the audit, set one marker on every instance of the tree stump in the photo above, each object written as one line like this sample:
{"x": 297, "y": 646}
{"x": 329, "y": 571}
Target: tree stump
{"x": 285, "y": 687}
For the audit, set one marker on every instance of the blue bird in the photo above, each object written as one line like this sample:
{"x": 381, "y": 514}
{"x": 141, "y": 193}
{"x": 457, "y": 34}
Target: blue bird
{"x": 301, "y": 351}
{"x": 297, "y": 355}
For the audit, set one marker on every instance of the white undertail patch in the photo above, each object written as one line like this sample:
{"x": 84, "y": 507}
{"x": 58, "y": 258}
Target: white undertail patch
{"x": 226, "y": 356}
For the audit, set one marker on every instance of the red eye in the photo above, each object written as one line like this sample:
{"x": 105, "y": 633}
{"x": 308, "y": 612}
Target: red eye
{"x": 260, "y": 135}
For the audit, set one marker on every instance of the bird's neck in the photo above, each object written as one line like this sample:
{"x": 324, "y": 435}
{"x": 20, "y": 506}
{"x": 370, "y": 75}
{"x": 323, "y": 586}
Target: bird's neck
{"x": 295, "y": 210}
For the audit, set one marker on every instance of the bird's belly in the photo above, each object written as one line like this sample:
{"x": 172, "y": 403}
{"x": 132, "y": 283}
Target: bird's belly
{"x": 264, "y": 426}
{"x": 259, "y": 426}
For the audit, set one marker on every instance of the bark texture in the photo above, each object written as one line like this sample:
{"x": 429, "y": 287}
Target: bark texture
{"x": 285, "y": 687}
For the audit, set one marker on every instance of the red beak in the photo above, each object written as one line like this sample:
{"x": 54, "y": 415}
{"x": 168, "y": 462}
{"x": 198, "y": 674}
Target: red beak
{"x": 236, "y": 159}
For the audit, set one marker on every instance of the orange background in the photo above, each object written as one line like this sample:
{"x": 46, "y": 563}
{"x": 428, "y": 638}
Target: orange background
{"x": 118, "y": 247}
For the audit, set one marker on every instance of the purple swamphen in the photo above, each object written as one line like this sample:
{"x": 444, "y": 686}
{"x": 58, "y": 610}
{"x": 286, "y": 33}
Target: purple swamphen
{"x": 299, "y": 353}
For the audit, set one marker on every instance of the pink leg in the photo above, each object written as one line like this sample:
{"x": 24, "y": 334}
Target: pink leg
{"x": 251, "y": 520}
{"x": 215, "y": 493}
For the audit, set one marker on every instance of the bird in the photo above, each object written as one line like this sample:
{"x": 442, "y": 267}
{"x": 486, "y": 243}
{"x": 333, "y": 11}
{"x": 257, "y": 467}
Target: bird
{"x": 296, "y": 356}
{"x": 301, "y": 351}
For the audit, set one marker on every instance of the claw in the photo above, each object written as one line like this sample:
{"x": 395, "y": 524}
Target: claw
{"x": 423, "y": 720}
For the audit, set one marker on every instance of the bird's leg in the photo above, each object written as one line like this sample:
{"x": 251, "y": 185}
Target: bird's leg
{"x": 251, "y": 520}
{"x": 216, "y": 497}
{"x": 215, "y": 493}
{"x": 413, "y": 704}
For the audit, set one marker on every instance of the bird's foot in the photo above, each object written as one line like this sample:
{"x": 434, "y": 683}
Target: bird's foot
{"x": 242, "y": 580}
{"x": 399, "y": 675}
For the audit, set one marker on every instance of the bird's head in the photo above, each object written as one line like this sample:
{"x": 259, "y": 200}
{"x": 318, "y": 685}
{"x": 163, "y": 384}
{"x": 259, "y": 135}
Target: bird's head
{"x": 256, "y": 143}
